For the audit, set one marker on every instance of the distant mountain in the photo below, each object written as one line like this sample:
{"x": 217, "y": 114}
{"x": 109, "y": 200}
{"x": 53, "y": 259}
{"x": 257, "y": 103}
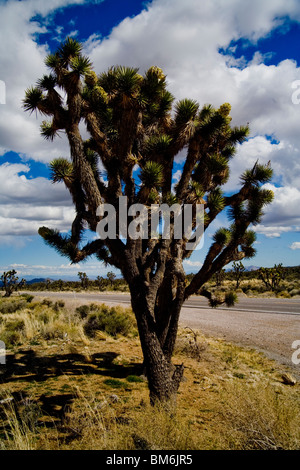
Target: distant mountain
{"x": 251, "y": 268}
{"x": 38, "y": 279}
{"x": 31, "y": 281}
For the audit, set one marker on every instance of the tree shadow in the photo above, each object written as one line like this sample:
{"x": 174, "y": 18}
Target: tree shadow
{"x": 27, "y": 366}
{"x": 31, "y": 367}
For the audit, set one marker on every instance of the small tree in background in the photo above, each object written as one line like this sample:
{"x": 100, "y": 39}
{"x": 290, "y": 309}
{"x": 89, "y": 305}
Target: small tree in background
{"x": 10, "y": 282}
{"x": 83, "y": 279}
{"x": 271, "y": 277}
{"x": 111, "y": 277}
{"x": 238, "y": 269}
{"x": 132, "y": 123}
{"x": 101, "y": 281}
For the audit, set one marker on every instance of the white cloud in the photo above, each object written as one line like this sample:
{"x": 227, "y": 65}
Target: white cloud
{"x": 272, "y": 231}
{"x": 295, "y": 246}
{"x": 27, "y": 204}
{"x": 184, "y": 39}
{"x": 15, "y": 187}
{"x": 284, "y": 210}
{"x": 193, "y": 264}
{"x": 22, "y": 63}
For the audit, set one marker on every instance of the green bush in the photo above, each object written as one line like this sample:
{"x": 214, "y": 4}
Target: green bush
{"x": 12, "y": 306}
{"x": 112, "y": 320}
{"x": 83, "y": 310}
{"x": 114, "y": 383}
{"x": 29, "y": 298}
{"x": 134, "y": 379}
{"x": 11, "y": 336}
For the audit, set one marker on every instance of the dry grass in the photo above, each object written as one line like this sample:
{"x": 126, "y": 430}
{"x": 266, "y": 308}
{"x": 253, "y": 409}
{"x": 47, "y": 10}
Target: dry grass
{"x": 61, "y": 389}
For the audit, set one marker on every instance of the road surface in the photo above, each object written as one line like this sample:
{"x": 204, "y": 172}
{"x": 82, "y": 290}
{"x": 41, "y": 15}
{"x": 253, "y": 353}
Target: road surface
{"x": 269, "y": 325}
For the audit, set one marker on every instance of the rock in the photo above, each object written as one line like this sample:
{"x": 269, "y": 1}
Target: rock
{"x": 288, "y": 379}
{"x": 114, "y": 398}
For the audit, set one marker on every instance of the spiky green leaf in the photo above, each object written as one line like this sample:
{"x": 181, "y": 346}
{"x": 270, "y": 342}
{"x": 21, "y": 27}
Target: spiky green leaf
{"x": 152, "y": 175}
{"x": 33, "y": 99}
{"x": 60, "y": 170}
{"x": 185, "y": 111}
{"x": 48, "y": 131}
{"x": 222, "y": 236}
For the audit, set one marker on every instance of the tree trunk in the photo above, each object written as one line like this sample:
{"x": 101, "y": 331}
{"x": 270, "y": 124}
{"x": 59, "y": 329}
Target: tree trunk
{"x": 163, "y": 377}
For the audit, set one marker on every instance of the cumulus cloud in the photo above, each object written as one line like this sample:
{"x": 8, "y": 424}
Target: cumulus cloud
{"x": 295, "y": 246}
{"x": 282, "y": 215}
{"x": 184, "y": 38}
{"x": 193, "y": 264}
{"x": 284, "y": 210}
{"x": 26, "y": 204}
{"x": 22, "y": 63}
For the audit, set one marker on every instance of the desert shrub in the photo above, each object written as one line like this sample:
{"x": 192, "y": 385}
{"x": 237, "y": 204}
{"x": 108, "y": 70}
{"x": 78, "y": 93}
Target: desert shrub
{"x": 294, "y": 292}
{"x": 83, "y": 311}
{"x": 134, "y": 379}
{"x": 12, "y": 306}
{"x": 15, "y": 325}
{"x": 47, "y": 302}
{"x": 114, "y": 383}
{"x": 29, "y": 298}
{"x": 112, "y": 320}
{"x": 44, "y": 317}
{"x": 284, "y": 295}
{"x": 11, "y": 333}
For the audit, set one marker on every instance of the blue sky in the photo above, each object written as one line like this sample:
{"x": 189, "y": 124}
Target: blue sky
{"x": 245, "y": 53}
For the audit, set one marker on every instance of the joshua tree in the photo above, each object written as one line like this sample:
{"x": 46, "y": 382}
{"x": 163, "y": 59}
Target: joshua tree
{"x": 136, "y": 132}
{"x": 238, "y": 269}
{"x": 84, "y": 280}
{"x": 10, "y": 282}
{"x": 101, "y": 282}
{"x": 271, "y": 277}
{"x": 111, "y": 277}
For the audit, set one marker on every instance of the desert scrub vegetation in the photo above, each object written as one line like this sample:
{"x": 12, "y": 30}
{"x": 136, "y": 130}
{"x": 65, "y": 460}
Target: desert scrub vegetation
{"x": 69, "y": 386}
{"x": 23, "y": 320}
{"x": 254, "y": 287}
{"x": 112, "y": 320}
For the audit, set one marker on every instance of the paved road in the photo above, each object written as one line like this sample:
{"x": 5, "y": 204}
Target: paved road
{"x": 269, "y": 325}
{"x": 265, "y": 306}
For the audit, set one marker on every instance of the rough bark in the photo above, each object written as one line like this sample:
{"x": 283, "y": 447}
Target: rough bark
{"x": 163, "y": 377}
